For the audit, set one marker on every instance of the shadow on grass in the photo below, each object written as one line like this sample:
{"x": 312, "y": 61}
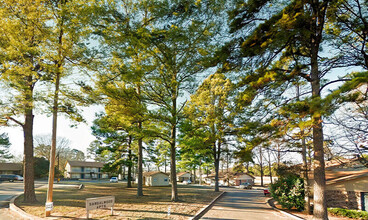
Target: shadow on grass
{"x": 150, "y": 211}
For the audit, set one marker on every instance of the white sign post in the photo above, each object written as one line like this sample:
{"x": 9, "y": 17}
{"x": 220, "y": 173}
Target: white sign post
{"x": 100, "y": 203}
{"x": 49, "y": 206}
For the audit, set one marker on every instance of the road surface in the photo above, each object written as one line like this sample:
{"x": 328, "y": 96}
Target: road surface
{"x": 243, "y": 204}
{"x": 7, "y": 191}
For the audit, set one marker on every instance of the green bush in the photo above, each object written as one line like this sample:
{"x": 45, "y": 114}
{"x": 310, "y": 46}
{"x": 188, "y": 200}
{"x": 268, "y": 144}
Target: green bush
{"x": 289, "y": 192}
{"x": 357, "y": 214}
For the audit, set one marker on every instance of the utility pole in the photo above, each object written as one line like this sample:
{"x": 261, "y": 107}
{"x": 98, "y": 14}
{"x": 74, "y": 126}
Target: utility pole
{"x": 49, "y": 203}
{"x": 58, "y": 64}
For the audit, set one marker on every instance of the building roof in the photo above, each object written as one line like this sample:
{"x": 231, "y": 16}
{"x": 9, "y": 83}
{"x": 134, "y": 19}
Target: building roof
{"x": 152, "y": 173}
{"x": 340, "y": 176}
{"x": 238, "y": 175}
{"x": 333, "y": 177}
{"x": 181, "y": 174}
{"x": 228, "y": 175}
{"x": 85, "y": 164}
{"x": 10, "y": 166}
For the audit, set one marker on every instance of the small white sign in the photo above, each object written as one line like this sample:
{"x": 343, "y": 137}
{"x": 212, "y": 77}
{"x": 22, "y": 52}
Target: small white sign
{"x": 100, "y": 202}
{"x": 49, "y": 206}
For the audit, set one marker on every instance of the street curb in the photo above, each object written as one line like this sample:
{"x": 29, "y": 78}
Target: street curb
{"x": 283, "y": 212}
{"x": 19, "y": 211}
{"x": 203, "y": 211}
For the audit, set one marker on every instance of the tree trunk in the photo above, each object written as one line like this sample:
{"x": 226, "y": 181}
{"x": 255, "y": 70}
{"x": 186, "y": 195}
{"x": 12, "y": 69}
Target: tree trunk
{"x": 227, "y": 162}
{"x": 200, "y": 172}
{"x": 28, "y": 164}
{"x": 306, "y": 178}
{"x": 140, "y": 154}
{"x": 174, "y": 187}
{"x": 217, "y": 168}
{"x": 130, "y": 164}
{"x": 140, "y": 164}
{"x": 174, "y": 121}
{"x": 270, "y": 165}
{"x": 317, "y": 23}
{"x": 194, "y": 176}
{"x": 278, "y": 156}
{"x": 261, "y": 163}
{"x": 320, "y": 207}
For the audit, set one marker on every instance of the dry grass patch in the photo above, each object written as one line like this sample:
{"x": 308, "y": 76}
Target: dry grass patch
{"x": 69, "y": 203}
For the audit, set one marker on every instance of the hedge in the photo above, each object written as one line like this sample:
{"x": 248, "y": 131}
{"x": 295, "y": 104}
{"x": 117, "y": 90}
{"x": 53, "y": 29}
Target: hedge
{"x": 357, "y": 214}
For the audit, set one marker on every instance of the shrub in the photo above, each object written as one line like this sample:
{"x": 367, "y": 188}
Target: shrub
{"x": 289, "y": 192}
{"x": 356, "y": 214}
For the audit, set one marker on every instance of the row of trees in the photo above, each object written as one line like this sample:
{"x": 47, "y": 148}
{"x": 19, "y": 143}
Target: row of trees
{"x": 271, "y": 51}
{"x": 256, "y": 73}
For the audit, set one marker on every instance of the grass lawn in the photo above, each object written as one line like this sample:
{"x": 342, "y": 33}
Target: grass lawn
{"x": 69, "y": 203}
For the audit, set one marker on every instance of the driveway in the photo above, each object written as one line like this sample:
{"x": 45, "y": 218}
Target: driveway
{"x": 243, "y": 204}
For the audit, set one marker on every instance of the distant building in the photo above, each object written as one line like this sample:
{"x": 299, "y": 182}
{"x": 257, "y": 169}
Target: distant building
{"x": 230, "y": 178}
{"x": 11, "y": 168}
{"x": 84, "y": 170}
{"x": 239, "y": 178}
{"x": 183, "y": 176}
{"x": 155, "y": 178}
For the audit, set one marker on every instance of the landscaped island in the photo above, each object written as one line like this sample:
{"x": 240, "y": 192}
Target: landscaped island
{"x": 70, "y": 202}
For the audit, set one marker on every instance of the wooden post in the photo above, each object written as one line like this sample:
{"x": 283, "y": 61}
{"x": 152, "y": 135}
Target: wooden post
{"x": 59, "y": 64}
{"x": 53, "y": 146}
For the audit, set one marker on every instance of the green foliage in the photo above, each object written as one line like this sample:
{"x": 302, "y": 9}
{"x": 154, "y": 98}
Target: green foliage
{"x": 244, "y": 154}
{"x": 355, "y": 214}
{"x": 114, "y": 143}
{"x": 41, "y": 167}
{"x": 4, "y": 148}
{"x": 194, "y": 147}
{"x": 210, "y": 108}
{"x": 289, "y": 192}
{"x": 285, "y": 169}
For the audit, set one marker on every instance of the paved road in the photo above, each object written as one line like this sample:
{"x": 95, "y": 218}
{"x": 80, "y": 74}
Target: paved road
{"x": 9, "y": 190}
{"x": 243, "y": 204}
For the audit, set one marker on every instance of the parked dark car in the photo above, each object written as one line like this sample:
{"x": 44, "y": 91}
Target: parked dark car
{"x": 10, "y": 177}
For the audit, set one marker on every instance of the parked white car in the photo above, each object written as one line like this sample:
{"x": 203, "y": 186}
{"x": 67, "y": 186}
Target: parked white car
{"x": 19, "y": 178}
{"x": 245, "y": 186}
{"x": 213, "y": 184}
{"x": 114, "y": 179}
{"x": 186, "y": 182}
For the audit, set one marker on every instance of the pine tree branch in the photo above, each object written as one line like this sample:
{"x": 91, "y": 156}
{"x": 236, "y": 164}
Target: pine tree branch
{"x": 14, "y": 120}
{"x": 335, "y": 81}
